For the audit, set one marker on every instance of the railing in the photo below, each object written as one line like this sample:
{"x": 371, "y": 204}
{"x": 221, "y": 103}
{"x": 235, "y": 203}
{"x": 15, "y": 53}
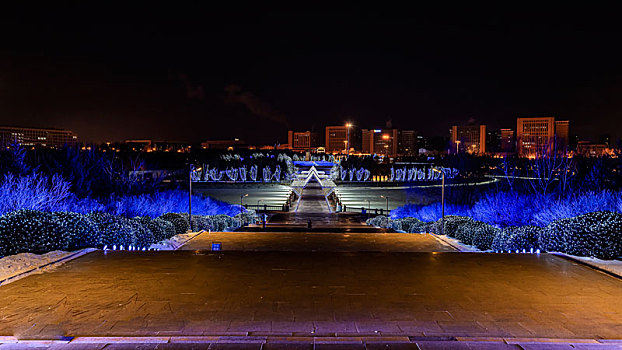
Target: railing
{"x": 267, "y": 207}
{"x": 364, "y": 210}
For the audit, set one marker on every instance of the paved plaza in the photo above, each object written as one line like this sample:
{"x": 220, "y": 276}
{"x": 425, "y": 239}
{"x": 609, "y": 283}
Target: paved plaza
{"x": 235, "y": 293}
{"x": 340, "y": 285}
{"x": 318, "y": 242}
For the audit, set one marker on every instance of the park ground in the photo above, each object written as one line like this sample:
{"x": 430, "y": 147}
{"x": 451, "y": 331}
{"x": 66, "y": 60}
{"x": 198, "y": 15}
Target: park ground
{"x": 339, "y": 285}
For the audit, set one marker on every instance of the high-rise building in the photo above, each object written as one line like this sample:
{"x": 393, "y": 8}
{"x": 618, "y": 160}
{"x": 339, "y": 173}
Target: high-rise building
{"x": 562, "y": 135}
{"x": 337, "y": 138}
{"x": 37, "y": 137}
{"x": 302, "y": 141}
{"x": 407, "y": 143}
{"x": 468, "y": 138}
{"x": 380, "y": 141}
{"x": 507, "y": 140}
{"x": 541, "y": 135}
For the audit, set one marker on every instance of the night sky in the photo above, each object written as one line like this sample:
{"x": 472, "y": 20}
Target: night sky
{"x": 191, "y": 73}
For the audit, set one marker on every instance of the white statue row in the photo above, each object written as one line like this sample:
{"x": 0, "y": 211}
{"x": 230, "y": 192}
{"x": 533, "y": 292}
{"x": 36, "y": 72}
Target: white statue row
{"x": 240, "y": 174}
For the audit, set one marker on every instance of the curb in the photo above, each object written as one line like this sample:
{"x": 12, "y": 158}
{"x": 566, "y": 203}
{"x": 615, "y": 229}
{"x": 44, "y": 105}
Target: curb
{"x": 190, "y": 239}
{"x": 327, "y": 340}
{"x": 34, "y": 269}
{"x": 444, "y": 241}
{"x": 587, "y": 264}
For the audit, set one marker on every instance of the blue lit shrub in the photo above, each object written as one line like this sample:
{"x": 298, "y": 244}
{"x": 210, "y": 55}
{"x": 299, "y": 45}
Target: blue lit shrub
{"x": 80, "y": 230}
{"x": 31, "y": 231}
{"x": 379, "y": 221}
{"x": 161, "y": 229}
{"x": 577, "y": 205}
{"x": 452, "y": 222}
{"x": 119, "y": 230}
{"x": 430, "y": 212}
{"x": 515, "y": 238}
{"x": 597, "y": 234}
{"x": 179, "y": 221}
{"x": 404, "y": 224}
{"x": 173, "y": 201}
{"x": 508, "y": 209}
{"x": 476, "y": 233}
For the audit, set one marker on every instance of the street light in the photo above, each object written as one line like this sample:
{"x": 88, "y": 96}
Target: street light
{"x": 348, "y": 126}
{"x": 387, "y": 198}
{"x": 242, "y": 203}
{"x": 457, "y": 144}
{"x": 190, "y": 196}
{"x": 442, "y": 199}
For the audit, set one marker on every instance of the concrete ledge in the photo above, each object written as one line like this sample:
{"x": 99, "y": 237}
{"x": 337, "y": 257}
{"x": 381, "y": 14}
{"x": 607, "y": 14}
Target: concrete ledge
{"x": 49, "y": 265}
{"x": 594, "y": 265}
{"x": 125, "y": 340}
{"x": 330, "y": 340}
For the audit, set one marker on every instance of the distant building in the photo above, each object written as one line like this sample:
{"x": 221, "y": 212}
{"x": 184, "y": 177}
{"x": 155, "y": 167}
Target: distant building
{"x": 507, "y": 140}
{"x": 562, "y": 135}
{"x": 171, "y": 146}
{"x": 380, "y": 141}
{"x": 468, "y": 139}
{"x": 223, "y": 144}
{"x": 337, "y": 138}
{"x": 37, "y": 137}
{"x": 139, "y": 145}
{"x": 541, "y": 135}
{"x": 407, "y": 143}
{"x": 588, "y": 149}
{"x": 302, "y": 141}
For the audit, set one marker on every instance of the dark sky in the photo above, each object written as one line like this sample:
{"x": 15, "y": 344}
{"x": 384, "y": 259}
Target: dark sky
{"x": 190, "y": 73}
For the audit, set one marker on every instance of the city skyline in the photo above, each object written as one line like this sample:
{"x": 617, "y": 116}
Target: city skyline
{"x": 195, "y": 73}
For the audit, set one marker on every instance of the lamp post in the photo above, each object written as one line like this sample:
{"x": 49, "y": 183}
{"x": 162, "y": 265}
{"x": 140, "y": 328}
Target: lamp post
{"x": 387, "y": 199}
{"x": 348, "y": 126}
{"x": 242, "y": 202}
{"x": 191, "y": 170}
{"x": 457, "y": 144}
{"x": 368, "y": 207}
{"x": 442, "y": 199}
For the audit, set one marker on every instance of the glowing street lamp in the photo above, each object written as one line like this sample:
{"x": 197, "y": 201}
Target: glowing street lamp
{"x": 348, "y": 126}
{"x": 192, "y": 168}
{"x": 442, "y": 199}
{"x": 387, "y": 198}
{"x": 242, "y": 202}
{"x": 457, "y": 144}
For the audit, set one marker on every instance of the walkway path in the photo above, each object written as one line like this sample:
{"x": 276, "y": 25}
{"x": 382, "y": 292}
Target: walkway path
{"x": 313, "y": 201}
{"x": 314, "y": 294}
{"x": 320, "y": 242}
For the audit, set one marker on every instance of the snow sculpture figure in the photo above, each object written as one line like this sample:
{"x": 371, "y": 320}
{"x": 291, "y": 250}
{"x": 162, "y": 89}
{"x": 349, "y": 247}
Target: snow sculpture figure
{"x": 277, "y": 174}
{"x": 392, "y": 175}
{"x": 242, "y": 172}
{"x": 343, "y": 174}
{"x": 359, "y": 174}
{"x": 253, "y": 173}
{"x": 351, "y": 174}
{"x": 232, "y": 174}
{"x": 267, "y": 174}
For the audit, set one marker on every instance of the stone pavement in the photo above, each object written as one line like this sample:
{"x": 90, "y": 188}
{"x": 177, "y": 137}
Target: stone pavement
{"x": 321, "y": 242}
{"x": 317, "y": 295}
{"x": 313, "y": 201}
